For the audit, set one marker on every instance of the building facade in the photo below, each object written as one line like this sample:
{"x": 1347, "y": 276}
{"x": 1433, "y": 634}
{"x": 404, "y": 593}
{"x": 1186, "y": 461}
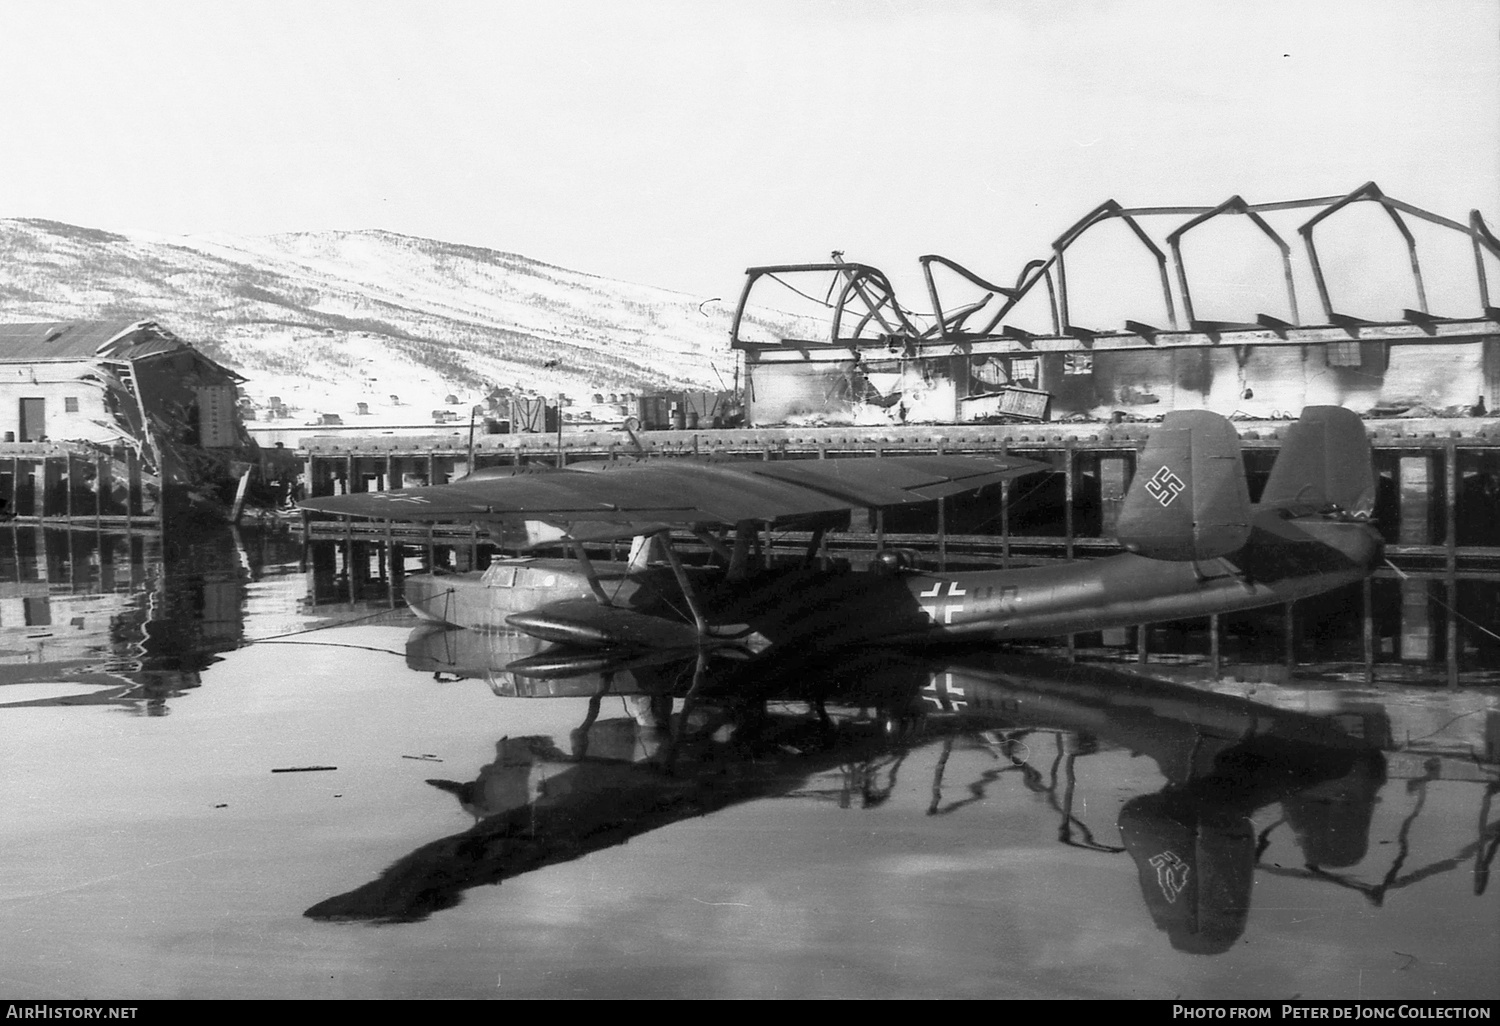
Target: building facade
{"x": 131, "y": 392}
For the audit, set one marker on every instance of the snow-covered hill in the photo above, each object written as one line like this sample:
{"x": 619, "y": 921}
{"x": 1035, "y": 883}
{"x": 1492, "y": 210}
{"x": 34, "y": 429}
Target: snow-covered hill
{"x": 326, "y": 320}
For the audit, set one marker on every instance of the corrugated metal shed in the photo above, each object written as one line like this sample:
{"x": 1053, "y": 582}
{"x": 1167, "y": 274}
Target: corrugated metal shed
{"x": 73, "y": 341}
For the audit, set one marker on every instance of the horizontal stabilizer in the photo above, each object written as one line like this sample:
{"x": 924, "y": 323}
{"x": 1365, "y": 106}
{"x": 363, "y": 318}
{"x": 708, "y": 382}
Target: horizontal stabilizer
{"x": 1324, "y": 461}
{"x": 1188, "y": 499}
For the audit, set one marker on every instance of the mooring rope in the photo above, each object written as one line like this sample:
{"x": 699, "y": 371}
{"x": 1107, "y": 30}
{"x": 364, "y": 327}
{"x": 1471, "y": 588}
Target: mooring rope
{"x": 275, "y": 638}
{"x": 1477, "y": 626}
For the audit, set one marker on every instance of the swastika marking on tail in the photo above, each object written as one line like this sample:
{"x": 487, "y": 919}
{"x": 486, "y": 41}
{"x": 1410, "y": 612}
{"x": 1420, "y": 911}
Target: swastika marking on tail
{"x": 1171, "y": 874}
{"x": 1165, "y": 486}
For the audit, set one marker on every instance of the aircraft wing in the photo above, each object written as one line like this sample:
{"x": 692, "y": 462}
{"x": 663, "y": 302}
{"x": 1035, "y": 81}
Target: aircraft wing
{"x": 652, "y": 493}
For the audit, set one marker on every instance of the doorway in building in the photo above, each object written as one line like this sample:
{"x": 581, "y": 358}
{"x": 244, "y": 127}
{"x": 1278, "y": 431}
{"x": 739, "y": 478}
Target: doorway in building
{"x": 33, "y": 420}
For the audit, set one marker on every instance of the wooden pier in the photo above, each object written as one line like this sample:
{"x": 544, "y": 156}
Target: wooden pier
{"x": 52, "y": 483}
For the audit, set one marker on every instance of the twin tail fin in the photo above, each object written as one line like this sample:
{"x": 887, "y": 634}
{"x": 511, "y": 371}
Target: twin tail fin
{"x": 1188, "y": 500}
{"x": 1324, "y": 463}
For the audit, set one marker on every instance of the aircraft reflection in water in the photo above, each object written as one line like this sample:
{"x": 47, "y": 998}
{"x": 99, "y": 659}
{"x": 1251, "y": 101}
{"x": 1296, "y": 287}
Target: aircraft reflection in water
{"x": 1193, "y": 842}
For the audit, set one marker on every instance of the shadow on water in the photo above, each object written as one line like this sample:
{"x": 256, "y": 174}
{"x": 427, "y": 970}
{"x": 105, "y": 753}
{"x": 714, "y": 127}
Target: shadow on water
{"x": 700, "y": 736}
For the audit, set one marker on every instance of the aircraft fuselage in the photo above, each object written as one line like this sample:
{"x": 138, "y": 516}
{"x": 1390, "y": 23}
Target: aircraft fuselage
{"x": 1127, "y": 589}
{"x": 1284, "y": 560}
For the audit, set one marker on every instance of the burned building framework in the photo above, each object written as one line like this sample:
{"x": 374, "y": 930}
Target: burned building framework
{"x": 877, "y": 363}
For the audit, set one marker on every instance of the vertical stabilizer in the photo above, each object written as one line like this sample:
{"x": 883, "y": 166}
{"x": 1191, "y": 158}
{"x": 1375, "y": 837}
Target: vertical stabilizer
{"x": 1188, "y": 499}
{"x": 1324, "y": 461}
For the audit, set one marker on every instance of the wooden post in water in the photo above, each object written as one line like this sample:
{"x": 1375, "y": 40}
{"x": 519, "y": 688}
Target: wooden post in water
{"x": 942, "y": 523}
{"x": 1450, "y": 540}
{"x": 1005, "y": 523}
{"x": 1070, "y": 468}
{"x": 239, "y": 497}
{"x": 1416, "y": 481}
{"x": 1069, "y": 485}
{"x": 1453, "y": 643}
{"x": 1289, "y": 631}
{"x": 942, "y": 533}
{"x": 132, "y": 484}
{"x": 387, "y": 567}
{"x": 1214, "y": 661}
{"x": 1114, "y": 478}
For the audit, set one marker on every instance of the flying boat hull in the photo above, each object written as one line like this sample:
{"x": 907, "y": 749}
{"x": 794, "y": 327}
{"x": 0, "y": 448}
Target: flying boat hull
{"x": 484, "y": 600}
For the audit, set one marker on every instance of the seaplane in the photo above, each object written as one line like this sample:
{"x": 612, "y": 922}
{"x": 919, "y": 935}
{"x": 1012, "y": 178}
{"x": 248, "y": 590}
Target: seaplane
{"x": 1193, "y": 544}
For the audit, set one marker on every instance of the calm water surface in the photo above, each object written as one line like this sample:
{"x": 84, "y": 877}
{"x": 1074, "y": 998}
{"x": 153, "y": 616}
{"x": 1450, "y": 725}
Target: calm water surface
{"x": 970, "y": 824}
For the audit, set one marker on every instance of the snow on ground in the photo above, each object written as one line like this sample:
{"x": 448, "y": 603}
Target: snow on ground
{"x": 324, "y": 321}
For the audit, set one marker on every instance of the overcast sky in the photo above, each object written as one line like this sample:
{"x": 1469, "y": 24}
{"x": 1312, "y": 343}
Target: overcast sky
{"x": 675, "y": 143}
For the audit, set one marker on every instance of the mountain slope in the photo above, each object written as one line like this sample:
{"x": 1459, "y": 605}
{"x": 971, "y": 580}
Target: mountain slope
{"x": 325, "y": 319}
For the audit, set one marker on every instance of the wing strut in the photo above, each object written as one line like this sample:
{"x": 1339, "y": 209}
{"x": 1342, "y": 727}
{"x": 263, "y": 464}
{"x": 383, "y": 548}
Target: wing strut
{"x": 714, "y": 543}
{"x": 813, "y": 545}
{"x": 739, "y": 563}
{"x": 699, "y": 621}
{"x": 587, "y": 566}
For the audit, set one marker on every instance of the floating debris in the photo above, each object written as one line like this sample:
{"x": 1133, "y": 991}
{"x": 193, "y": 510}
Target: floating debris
{"x": 423, "y": 758}
{"x": 303, "y": 769}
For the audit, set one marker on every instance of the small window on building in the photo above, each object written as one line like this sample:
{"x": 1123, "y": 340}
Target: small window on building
{"x": 70, "y": 404}
{"x": 988, "y": 372}
{"x": 1023, "y": 371}
{"x": 1343, "y": 354}
{"x": 1078, "y": 363}
{"x": 1371, "y": 357}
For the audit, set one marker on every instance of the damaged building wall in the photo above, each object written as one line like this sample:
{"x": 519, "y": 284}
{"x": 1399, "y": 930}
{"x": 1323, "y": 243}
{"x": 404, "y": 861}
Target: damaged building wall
{"x": 1253, "y": 379}
{"x": 784, "y": 393}
{"x": 842, "y": 389}
{"x": 192, "y": 416}
{"x": 55, "y": 400}
{"x": 1492, "y": 373}
{"x": 1264, "y": 381}
{"x": 902, "y": 390}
